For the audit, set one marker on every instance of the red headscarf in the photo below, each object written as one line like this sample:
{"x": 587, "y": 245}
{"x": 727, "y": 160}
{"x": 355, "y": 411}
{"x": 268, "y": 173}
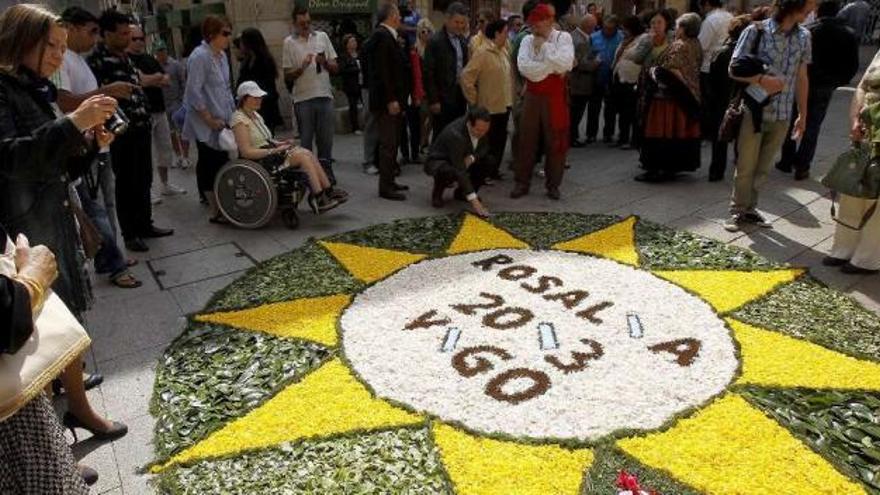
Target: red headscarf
{"x": 540, "y": 13}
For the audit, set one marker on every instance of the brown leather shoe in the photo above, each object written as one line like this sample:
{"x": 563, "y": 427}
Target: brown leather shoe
{"x": 519, "y": 191}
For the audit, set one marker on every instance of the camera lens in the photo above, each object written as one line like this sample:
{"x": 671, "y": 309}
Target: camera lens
{"x": 117, "y": 123}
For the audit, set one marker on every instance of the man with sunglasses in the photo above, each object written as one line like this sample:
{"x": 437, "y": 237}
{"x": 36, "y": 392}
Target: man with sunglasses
{"x": 130, "y": 151}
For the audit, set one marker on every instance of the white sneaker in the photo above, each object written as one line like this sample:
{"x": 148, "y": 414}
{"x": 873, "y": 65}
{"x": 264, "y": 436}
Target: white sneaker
{"x": 757, "y": 219}
{"x": 155, "y": 198}
{"x": 358, "y": 133}
{"x": 185, "y": 163}
{"x": 371, "y": 170}
{"x": 733, "y": 224}
{"x": 170, "y": 189}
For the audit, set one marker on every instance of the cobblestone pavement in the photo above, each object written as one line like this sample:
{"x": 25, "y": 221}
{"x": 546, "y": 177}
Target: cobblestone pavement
{"x": 131, "y": 328}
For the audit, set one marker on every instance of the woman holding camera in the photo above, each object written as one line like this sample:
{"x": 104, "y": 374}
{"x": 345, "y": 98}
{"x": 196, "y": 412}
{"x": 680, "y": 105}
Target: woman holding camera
{"x": 41, "y": 152}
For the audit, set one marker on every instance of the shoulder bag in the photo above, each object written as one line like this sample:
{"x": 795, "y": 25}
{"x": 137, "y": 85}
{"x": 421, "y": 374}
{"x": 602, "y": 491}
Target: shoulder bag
{"x": 733, "y": 115}
{"x": 856, "y": 173}
{"x": 58, "y": 339}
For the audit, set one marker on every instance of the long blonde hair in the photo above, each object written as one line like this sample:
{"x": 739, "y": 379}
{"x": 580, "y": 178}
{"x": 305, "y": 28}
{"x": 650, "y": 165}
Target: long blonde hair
{"x": 424, "y": 24}
{"x": 23, "y": 28}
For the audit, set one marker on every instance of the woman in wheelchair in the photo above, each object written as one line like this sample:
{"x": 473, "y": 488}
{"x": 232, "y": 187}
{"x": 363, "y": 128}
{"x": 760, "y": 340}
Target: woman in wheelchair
{"x": 255, "y": 142}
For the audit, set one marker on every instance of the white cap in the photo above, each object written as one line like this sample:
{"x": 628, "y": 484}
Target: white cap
{"x": 250, "y": 88}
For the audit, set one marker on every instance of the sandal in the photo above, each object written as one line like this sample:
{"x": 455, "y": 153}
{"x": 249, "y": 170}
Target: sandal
{"x": 131, "y": 262}
{"x": 126, "y": 280}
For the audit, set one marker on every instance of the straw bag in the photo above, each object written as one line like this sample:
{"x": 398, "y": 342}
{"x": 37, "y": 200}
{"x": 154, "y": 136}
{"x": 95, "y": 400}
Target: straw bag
{"x": 58, "y": 340}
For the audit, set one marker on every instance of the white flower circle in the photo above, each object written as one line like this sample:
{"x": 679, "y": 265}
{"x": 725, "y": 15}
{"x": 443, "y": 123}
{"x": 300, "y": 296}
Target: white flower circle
{"x": 541, "y": 345}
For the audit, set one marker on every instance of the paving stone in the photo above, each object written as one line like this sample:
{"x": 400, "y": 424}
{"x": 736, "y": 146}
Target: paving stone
{"x": 133, "y": 452}
{"x": 193, "y": 297}
{"x": 202, "y": 264}
{"x": 128, "y": 384}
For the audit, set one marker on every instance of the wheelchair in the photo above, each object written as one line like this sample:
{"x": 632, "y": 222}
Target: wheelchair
{"x": 248, "y": 194}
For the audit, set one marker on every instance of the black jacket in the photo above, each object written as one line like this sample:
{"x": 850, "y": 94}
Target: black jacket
{"x": 350, "y": 73}
{"x": 387, "y": 71}
{"x": 835, "y": 53}
{"x": 452, "y": 146}
{"x": 39, "y": 154}
{"x": 439, "y": 71}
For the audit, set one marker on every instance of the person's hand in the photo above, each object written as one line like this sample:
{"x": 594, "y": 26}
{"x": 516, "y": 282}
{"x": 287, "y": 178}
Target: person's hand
{"x": 216, "y": 124}
{"x": 166, "y": 80}
{"x": 103, "y": 137}
{"x": 93, "y": 111}
{"x": 469, "y": 160}
{"x": 394, "y": 108}
{"x": 435, "y": 108}
{"x": 800, "y": 125}
{"x": 35, "y": 262}
{"x": 479, "y": 209}
{"x": 119, "y": 90}
{"x": 857, "y": 131}
{"x": 308, "y": 61}
{"x": 772, "y": 84}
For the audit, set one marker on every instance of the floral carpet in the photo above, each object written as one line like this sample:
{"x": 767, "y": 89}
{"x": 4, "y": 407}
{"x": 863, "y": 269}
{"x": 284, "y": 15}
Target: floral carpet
{"x": 534, "y": 354}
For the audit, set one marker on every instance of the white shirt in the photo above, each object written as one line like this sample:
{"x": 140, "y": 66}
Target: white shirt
{"x": 713, "y": 34}
{"x": 76, "y": 76}
{"x": 555, "y": 56}
{"x": 311, "y": 84}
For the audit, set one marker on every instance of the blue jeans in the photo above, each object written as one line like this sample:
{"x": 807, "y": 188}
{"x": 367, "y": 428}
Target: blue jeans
{"x": 317, "y": 123}
{"x": 109, "y": 258}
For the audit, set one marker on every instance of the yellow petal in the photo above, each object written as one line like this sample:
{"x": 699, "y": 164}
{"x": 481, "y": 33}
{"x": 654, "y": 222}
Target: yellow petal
{"x": 727, "y": 290}
{"x": 730, "y": 448}
{"x": 310, "y": 319}
{"x": 773, "y": 359}
{"x": 617, "y": 242}
{"x": 483, "y": 466}
{"x": 370, "y": 264}
{"x": 477, "y": 235}
{"x": 329, "y": 401}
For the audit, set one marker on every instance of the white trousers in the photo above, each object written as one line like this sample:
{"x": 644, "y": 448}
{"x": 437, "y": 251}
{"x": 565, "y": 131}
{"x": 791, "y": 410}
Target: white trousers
{"x": 860, "y": 247}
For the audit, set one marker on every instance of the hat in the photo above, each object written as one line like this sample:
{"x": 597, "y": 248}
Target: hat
{"x": 159, "y": 45}
{"x": 249, "y": 88}
{"x": 540, "y": 13}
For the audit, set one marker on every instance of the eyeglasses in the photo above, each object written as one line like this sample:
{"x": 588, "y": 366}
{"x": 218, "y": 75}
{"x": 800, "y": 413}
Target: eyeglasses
{"x": 137, "y": 38}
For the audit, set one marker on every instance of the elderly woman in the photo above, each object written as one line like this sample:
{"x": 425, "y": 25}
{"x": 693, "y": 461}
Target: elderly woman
{"x": 41, "y": 151}
{"x": 255, "y": 142}
{"x": 671, "y": 137}
{"x": 857, "y": 251}
{"x": 209, "y": 104}
{"x": 487, "y": 82}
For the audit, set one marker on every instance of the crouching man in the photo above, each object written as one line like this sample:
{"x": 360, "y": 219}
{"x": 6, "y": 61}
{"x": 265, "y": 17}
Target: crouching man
{"x": 460, "y": 155}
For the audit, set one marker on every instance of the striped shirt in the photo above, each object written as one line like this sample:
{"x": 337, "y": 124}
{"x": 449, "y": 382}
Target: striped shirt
{"x": 784, "y": 53}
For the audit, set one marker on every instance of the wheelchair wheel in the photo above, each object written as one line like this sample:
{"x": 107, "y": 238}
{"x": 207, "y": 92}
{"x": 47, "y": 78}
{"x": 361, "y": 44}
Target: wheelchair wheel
{"x": 246, "y": 194}
{"x": 290, "y": 218}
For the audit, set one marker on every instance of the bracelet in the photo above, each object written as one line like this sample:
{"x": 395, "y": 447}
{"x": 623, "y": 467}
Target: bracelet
{"x": 37, "y": 291}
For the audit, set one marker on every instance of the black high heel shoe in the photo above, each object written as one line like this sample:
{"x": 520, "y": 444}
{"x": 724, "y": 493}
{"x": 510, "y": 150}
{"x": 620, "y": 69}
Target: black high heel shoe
{"x": 117, "y": 430}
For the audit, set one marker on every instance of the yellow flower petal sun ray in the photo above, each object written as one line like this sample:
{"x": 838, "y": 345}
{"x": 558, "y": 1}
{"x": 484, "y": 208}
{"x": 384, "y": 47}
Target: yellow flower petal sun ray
{"x": 327, "y": 402}
{"x": 311, "y": 319}
{"x": 731, "y": 448}
{"x": 776, "y": 360}
{"x": 485, "y": 466}
{"x": 616, "y": 242}
{"x": 727, "y": 290}
{"x": 478, "y": 235}
{"x": 369, "y": 264}
{"x": 687, "y": 451}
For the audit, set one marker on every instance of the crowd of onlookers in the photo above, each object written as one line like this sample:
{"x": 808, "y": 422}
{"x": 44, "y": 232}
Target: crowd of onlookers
{"x": 90, "y": 111}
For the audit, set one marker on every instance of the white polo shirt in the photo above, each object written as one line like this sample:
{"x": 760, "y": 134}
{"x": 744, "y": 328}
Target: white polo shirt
{"x": 75, "y": 75}
{"x": 311, "y": 84}
{"x": 713, "y": 34}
